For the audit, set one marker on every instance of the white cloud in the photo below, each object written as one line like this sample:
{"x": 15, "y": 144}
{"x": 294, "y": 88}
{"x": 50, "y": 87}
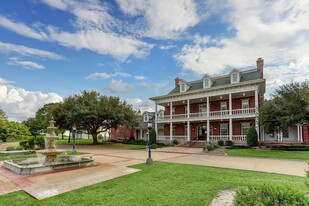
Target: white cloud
{"x": 275, "y": 30}
{"x": 145, "y": 85}
{"x": 104, "y": 75}
{"x": 22, "y": 29}
{"x": 142, "y": 105}
{"x": 27, "y": 51}
{"x": 25, "y": 64}
{"x": 161, "y": 19}
{"x": 97, "y": 75}
{"x": 118, "y": 86}
{"x": 20, "y": 104}
{"x": 139, "y": 77}
{"x": 292, "y": 72}
{"x": 167, "y": 47}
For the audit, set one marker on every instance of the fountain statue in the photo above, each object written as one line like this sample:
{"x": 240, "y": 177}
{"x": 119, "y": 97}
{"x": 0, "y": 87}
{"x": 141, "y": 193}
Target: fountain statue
{"x": 50, "y": 152}
{"x": 53, "y": 160}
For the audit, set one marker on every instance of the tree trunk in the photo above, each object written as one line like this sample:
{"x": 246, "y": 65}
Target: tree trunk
{"x": 62, "y": 135}
{"x": 95, "y": 138}
{"x": 69, "y": 137}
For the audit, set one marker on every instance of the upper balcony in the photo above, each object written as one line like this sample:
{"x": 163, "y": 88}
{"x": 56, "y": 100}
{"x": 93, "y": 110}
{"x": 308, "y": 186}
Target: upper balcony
{"x": 248, "y": 112}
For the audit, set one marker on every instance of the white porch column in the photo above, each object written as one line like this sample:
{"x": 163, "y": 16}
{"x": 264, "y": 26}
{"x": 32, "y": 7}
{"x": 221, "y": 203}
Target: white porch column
{"x": 208, "y": 131}
{"x": 256, "y": 104}
{"x": 156, "y": 118}
{"x": 231, "y": 129}
{"x": 171, "y": 131}
{"x": 188, "y": 108}
{"x": 298, "y": 138}
{"x": 301, "y": 132}
{"x": 207, "y": 100}
{"x": 188, "y": 131}
{"x": 230, "y": 103}
{"x": 171, "y": 110}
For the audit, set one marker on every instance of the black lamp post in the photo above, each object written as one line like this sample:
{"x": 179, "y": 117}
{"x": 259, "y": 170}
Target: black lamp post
{"x": 149, "y": 160}
{"x": 74, "y": 133}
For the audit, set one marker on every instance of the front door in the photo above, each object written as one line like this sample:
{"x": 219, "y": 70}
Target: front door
{"x": 202, "y": 132}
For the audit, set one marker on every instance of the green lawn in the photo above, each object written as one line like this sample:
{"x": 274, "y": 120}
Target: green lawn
{"x": 106, "y": 145}
{"x": 302, "y": 155}
{"x": 161, "y": 184}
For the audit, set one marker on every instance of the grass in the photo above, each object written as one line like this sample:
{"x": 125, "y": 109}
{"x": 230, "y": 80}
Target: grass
{"x": 160, "y": 184}
{"x": 301, "y": 155}
{"x": 106, "y": 145}
{"x": 13, "y": 157}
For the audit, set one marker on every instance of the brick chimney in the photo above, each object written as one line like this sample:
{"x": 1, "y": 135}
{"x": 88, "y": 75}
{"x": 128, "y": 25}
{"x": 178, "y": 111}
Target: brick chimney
{"x": 177, "y": 81}
{"x": 260, "y": 66}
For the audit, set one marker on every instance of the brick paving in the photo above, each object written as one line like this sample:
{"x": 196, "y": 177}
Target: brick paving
{"x": 112, "y": 163}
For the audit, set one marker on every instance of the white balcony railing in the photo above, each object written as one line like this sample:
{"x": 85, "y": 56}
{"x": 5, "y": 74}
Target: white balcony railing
{"x": 239, "y": 138}
{"x": 199, "y": 115}
{"x": 219, "y": 137}
{"x": 178, "y": 137}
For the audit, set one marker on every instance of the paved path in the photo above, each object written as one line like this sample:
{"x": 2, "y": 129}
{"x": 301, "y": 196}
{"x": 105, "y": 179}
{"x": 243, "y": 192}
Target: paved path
{"x": 4, "y": 145}
{"x": 112, "y": 163}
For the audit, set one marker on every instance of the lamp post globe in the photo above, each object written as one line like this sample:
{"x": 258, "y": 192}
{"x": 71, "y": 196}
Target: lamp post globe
{"x": 149, "y": 159}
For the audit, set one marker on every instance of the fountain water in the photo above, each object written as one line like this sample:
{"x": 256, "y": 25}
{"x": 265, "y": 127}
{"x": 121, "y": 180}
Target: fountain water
{"x": 52, "y": 161}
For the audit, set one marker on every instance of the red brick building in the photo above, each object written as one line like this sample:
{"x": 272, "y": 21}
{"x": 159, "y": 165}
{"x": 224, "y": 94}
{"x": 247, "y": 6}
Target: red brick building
{"x": 219, "y": 108}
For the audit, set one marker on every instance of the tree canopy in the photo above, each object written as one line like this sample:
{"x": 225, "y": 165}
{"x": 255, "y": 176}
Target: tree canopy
{"x": 289, "y": 106}
{"x": 94, "y": 113}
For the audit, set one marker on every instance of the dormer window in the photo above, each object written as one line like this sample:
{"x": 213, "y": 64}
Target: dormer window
{"x": 146, "y": 117}
{"x": 235, "y": 77}
{"x": 206, "y": 83}
{"x": 183, "y": 87}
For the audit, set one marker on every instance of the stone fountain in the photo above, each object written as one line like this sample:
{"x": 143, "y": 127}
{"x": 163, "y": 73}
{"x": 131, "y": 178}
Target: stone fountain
{"x": 50, "y": 152}
{"x": 52, "y": 161}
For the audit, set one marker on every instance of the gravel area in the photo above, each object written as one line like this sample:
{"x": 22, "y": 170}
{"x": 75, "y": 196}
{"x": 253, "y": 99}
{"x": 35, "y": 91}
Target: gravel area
{"x": 224, "y": 197}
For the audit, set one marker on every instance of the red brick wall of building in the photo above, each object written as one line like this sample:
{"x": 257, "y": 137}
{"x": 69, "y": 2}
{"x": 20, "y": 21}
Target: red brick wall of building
{"x": 124, "y": 129}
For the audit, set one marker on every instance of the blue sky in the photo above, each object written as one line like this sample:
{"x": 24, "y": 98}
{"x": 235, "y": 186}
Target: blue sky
{"x": 50, "y": 49}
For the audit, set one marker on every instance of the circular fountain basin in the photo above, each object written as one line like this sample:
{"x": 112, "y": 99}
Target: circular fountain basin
{"x": 51, "y": 156}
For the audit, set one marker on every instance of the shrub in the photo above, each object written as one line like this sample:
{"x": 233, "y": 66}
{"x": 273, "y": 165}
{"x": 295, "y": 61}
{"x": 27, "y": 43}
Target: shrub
{"x": 19, "y": 148}
{"x": 31, "y": 142}
{"x": 24, "y": 144}
{"x": 208, "y": 148}
{"x": 10, "y": 148}
{"x": 229, "y": 143}
{"x": 252, "y": 137}
{"x": 270, "y": 195}
{"x": 132, "y": 138}
{"x": 290, "y": 147}
{"x": 175, "y": 142}
{"x": 154, "y": 146}
{"x": 239, "y": 147}
{"x": 307, "y": 173}
{"x": 40, "y": 142}
{"x": 220, "y": 142}
{"x": 113, "y": 141}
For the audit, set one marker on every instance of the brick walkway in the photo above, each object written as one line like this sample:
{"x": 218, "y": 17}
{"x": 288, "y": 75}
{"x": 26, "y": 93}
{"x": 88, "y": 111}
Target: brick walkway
{"x": 112, "y": 163}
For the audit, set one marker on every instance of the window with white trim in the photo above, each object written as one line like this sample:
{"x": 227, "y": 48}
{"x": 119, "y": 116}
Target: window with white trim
{"x": 206, "y": 83}
{"x": 203, "y": 109}
{"x": 223, "y": 129}
{"x": 245, "y": 103}
{"x": 146, "y": 117}
{"x": 223, "y": 108}
{"x": 182, "y": 87}
{"x": 245, "y": 128}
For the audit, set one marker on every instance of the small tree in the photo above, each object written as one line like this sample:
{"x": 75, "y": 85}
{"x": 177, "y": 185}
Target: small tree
{"x": 252, "y": 137}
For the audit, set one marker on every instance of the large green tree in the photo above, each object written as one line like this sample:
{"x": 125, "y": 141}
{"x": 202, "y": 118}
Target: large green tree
{"x": 39, "y": 123}
{"x": 17, "y": 129}
{"x": 289, "y": 106}
{"x": 95, "y": 113}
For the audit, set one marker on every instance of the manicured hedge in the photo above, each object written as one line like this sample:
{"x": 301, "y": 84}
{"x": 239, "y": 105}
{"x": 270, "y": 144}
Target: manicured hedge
{"x": 239, "y": 147}
{"x": 290, "y": 147}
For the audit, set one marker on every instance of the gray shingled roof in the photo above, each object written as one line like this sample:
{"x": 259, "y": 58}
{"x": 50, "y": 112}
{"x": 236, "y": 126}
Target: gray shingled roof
{"x": 143, "y": 125}
{"x": 225, "y": 80}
